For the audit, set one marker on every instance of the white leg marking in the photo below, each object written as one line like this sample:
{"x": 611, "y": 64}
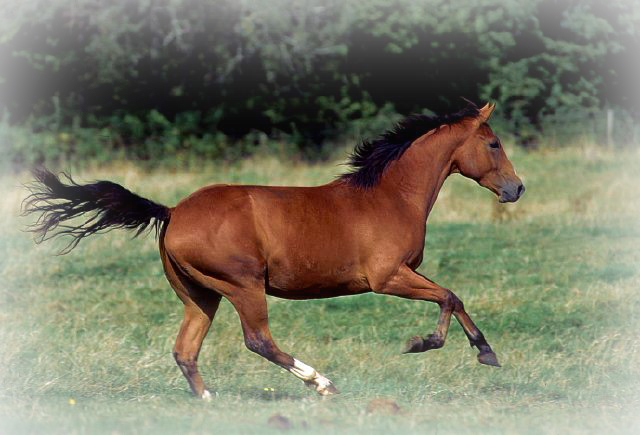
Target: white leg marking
{"x": 206, "y": 396}
{"x": 303, "y": 371}
{"x": 312, "y": 378}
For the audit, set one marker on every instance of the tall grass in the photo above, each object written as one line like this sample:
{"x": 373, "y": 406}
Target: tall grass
{"x": 551, "y": 280}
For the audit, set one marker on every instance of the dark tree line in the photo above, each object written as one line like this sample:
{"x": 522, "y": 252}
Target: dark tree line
{"x": 143, "y": 68}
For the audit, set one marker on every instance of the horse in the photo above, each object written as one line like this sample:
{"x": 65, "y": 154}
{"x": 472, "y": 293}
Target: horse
{"x": 362, "y": 232}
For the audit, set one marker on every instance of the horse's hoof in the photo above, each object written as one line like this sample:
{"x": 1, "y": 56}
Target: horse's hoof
{"x": 328, "y": 390}
{"x": 488, "y": 358}
{"x": 414, "y": 345}
{"x": 322, "y": 385}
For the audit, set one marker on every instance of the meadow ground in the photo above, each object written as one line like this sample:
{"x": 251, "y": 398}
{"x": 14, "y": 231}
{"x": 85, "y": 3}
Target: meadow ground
{"x": 553, "y": 281}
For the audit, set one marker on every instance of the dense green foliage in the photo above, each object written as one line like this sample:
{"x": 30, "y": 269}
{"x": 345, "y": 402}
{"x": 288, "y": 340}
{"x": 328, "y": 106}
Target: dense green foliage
{"x": 552, "y": 281}
{"x": 172, "y": 75}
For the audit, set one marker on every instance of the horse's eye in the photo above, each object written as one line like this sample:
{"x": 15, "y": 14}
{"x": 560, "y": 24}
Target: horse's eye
{"x": 495, "y": 144}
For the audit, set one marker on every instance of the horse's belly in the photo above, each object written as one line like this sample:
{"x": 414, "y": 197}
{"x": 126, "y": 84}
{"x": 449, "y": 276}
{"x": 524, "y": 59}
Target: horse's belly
{"x": 314, "y": 284}
{"x": 315, "y": 293}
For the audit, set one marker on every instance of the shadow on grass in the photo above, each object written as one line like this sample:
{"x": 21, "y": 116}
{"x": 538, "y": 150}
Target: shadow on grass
{"x": 268, "y": 394}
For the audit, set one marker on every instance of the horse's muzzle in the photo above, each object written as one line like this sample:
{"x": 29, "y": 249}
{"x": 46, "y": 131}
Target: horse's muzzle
{"x": 511, "y": 192}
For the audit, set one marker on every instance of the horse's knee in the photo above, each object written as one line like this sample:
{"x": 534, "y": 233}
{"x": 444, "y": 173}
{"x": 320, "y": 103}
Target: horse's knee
{"x": 454, "y": 302}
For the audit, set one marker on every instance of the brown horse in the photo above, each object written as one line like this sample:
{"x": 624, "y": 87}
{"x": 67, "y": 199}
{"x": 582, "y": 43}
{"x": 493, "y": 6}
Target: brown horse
{"x": 363, "y": 232}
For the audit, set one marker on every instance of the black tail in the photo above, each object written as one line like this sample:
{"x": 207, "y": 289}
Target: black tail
{"x": 112, "y": 206}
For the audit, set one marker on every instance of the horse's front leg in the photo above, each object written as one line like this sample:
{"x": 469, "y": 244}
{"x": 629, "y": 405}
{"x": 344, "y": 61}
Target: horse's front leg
{"x": 408, "y": 284}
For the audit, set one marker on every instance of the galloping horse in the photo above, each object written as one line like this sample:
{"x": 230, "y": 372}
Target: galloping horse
{"x": 363, "y": 232}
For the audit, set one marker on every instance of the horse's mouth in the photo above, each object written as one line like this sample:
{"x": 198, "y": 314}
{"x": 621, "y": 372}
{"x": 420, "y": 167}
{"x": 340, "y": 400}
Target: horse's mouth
{"x": 502, "y": 199}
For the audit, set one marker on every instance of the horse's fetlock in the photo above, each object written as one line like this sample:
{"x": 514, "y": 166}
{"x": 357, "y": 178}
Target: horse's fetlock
{"x": 480, "y": 343}
{"x": 433, "y": 341}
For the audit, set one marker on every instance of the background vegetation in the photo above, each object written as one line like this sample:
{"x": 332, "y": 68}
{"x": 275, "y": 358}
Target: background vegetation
{"x": 213, "y": 79}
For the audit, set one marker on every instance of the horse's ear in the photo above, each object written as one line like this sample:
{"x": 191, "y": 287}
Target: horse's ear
{"x": 485, "y": 112}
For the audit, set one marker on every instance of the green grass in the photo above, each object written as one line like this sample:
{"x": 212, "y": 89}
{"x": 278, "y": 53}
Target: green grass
{"x": 552, "y": 281}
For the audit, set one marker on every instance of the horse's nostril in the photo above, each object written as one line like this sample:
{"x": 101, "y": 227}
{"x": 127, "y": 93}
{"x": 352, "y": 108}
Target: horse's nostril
{"x": 520, "y": 189}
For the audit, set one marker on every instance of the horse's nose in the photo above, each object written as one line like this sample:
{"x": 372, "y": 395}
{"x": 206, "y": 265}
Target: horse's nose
{"x": 512, "y": 191}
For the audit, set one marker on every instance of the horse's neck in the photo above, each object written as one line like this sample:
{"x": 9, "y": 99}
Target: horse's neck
{"x": 417, "y": 176}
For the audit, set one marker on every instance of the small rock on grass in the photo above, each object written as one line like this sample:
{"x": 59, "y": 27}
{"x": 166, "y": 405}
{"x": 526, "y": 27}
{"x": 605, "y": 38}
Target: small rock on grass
{"x": 383, "y": 406}
{"x": 279, "y": 421}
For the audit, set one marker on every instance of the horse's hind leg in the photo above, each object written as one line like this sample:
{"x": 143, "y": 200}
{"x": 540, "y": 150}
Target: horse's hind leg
{"x": 200, "y": 306}
{"x": 251, "y": 306}
{"x": 194, "y": 327}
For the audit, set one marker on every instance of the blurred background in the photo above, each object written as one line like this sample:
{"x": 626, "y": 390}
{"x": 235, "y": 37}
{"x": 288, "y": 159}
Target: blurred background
{"x": 189, "y": 79}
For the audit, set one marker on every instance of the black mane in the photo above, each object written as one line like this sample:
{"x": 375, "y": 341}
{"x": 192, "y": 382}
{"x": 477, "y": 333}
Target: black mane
{"x": 370, "y": 158}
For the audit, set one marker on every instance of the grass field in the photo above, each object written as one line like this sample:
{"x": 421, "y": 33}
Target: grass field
{"x": 553, "y": 281}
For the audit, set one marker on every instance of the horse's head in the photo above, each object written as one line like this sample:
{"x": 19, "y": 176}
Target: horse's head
{"x": 482, "y": 158}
